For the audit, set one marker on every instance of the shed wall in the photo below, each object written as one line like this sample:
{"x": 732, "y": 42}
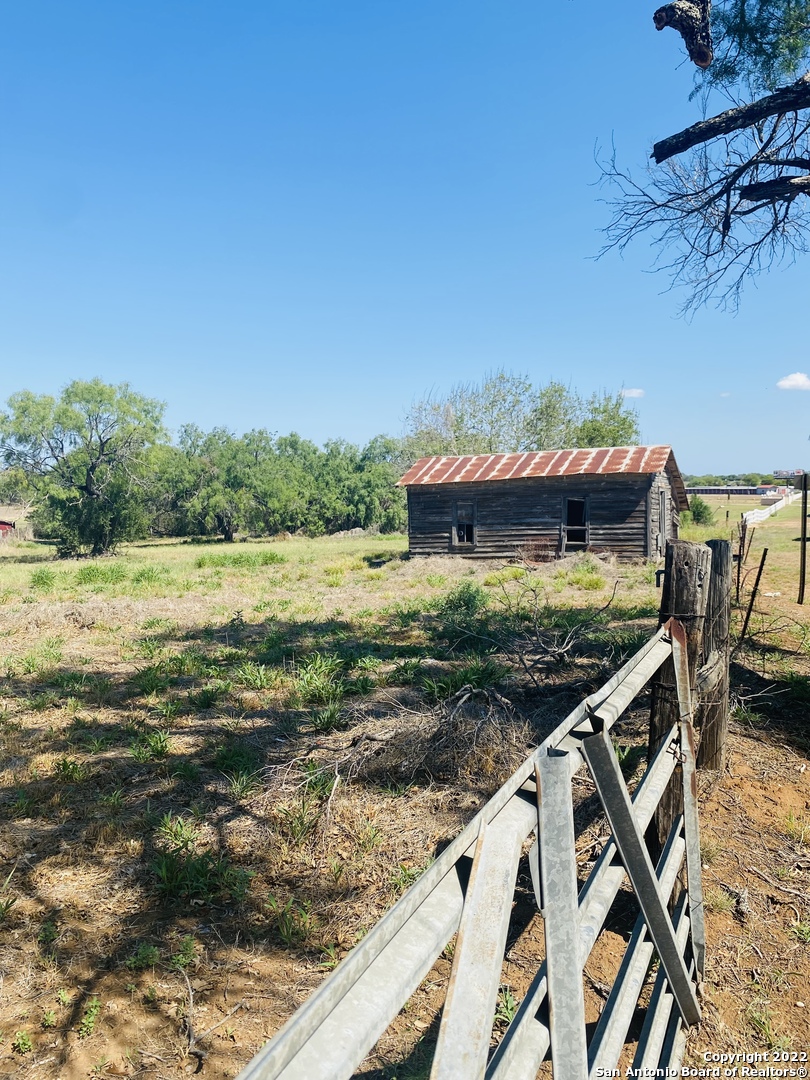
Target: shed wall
{"x": 513, "y": 514}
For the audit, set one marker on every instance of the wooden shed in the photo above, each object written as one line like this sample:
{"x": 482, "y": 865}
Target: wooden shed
{"x": 622, "y": 499}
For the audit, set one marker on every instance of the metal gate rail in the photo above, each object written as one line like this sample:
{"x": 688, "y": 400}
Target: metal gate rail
{"x": 470, "y": 888}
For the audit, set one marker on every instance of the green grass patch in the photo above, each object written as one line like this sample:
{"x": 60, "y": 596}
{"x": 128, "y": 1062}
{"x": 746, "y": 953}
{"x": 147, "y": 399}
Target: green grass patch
{"x": 239, "y": 560}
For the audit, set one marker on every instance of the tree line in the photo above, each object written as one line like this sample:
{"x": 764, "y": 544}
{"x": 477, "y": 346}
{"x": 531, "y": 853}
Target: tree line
{"x": 95, "y": 466}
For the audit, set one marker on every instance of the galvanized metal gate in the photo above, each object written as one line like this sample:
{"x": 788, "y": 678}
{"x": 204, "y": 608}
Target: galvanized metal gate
{"x": 470, "y": 889}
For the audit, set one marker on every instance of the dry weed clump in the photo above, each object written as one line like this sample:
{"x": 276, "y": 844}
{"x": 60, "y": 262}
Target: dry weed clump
{"x": 476, "y": 738}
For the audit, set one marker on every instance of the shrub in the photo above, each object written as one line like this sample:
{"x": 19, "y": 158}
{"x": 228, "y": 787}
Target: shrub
{"x": 461, "y": 614}
{"x": 702, "y": 513}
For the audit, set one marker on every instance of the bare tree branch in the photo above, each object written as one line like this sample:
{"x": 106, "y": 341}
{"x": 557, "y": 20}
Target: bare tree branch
{"x": 725, "y": 212}
{"x": 787, "y": 99}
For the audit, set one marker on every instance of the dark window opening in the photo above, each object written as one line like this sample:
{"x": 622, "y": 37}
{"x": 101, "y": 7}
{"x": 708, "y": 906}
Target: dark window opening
{"x": 576, "y": 524}
{"x": 464, "y": 531}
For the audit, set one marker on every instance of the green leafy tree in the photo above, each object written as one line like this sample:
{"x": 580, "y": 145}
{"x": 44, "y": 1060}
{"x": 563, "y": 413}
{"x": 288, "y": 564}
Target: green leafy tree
{"x": 505, "y": 413}
{"x": 220, "y": 498}
{"x": 84, "y": 453}
{"x": 607, "y": 421}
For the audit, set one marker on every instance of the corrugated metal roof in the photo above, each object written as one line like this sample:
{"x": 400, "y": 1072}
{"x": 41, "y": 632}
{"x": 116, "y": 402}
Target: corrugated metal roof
{"x": 584, "y": 462}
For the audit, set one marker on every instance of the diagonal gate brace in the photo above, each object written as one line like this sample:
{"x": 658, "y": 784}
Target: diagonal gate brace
{"x": 604, "y": 767}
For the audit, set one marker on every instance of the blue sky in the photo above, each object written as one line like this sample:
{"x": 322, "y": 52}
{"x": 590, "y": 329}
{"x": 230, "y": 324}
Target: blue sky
{"x": 301, "y": 215}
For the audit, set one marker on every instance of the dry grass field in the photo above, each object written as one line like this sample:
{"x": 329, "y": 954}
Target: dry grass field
{"x": 219, "y": 764}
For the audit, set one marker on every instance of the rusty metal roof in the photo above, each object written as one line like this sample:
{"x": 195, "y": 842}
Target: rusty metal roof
{"x": 475, "y": 468}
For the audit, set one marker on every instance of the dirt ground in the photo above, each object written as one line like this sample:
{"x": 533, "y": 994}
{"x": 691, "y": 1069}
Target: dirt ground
{"x": 217, "y": 775}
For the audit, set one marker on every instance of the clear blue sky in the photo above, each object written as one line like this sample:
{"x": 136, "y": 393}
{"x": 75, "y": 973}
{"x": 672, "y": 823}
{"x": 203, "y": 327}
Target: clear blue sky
{"x": 303, "y": 214}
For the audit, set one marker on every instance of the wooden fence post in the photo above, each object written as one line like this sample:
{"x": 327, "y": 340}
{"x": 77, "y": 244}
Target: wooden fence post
{"x": 713, "y": 676}
{"x": 684, "y": 597}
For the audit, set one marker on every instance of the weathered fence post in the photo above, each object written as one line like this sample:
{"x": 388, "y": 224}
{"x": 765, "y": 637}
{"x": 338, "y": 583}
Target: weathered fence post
{"x": 713, "y": 677}
{"x": 684, "y": 597}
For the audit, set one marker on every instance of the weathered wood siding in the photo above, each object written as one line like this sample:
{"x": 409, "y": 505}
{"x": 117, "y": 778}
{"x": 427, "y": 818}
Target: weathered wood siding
{"x": 512, "y": 514}
{"x": 657, "y": 542}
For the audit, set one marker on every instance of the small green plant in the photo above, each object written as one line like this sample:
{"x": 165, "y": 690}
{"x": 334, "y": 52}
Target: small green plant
{"x": 759, "y": 1016}
{"x": 628, "y": 758}
{"x": 368, "y": 836}
{"x": 297, "y": 820}
{"x": 185, "y": 876}
{"x": 151, "y": 746}
{"x": 151, "y": 680}
{"x": 113, "y": 800}
{"x": 330, "y": 958}
{"x": 436, "y": 580}
{"x": 70, "y": 771}
{"x": 21, "y": 1043}
{"x": 329, "y": 718}
{"x": 43, "y": 579}
{"x": 242, "y": 784}
{"x": 206, "y": 697}
{"x": 145, "y": 956}
{"x": 478, "y": 674}
{"x": 187, "y": 772}
{"x": 89, "y": 1018}
{"x": 319, "y": 780}
{"x": 176, "y": 832}
{"x": 63, "y": 997}
{"x": 745, "y": 715}
{"x": 588, "y": 578}
{"x": 48, "y": 1018}
{"x": 236, "y": 756}
{"x": 256, "y": 676}
{"x": 150, "y": 997}
{"x": 319, "y": 680}
{"x": 147, "y": 576}
{"x": 48, "y": 933}
{"x": 293, "y": 920}
{"x": 404, "y": 876}
{"x": 801, "y": 931}
{"x": 148, "y": 648}
{"x": 507, "y": 1006}
{"x": 186, "y": 954}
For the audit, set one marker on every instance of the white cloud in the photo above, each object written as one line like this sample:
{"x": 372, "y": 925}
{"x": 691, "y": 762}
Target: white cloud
{"x": 634, "y": 391}
{"x": 797, "y": 381}
{"x": 726, "y": 393}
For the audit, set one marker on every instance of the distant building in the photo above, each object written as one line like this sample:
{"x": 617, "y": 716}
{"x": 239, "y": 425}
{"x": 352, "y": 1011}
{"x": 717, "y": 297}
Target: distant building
{"x": 625, "y": 500}
{"x": 6, "y": 528}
